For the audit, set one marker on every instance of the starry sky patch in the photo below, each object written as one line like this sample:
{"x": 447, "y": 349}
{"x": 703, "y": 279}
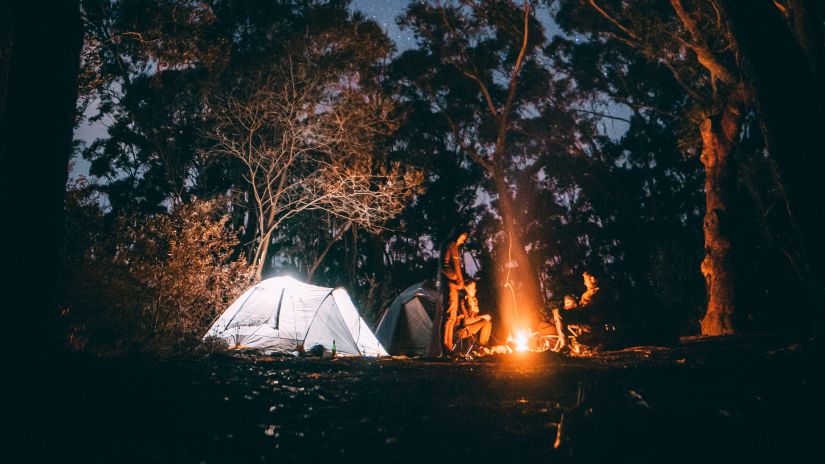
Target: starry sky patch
{"x": 384, "y": 13}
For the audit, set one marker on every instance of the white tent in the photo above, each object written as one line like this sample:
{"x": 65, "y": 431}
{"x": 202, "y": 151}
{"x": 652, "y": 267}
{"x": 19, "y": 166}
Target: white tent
{"x": 407, "y": 325}
{"x": 282, "y": 314}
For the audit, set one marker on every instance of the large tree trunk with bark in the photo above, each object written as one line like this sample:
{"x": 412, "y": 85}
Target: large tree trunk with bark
{"x": 719, "y": 138}
{"x": 39, "y": 58}
{"x": 523, "y": 277}
{"x": 790, "y": 99}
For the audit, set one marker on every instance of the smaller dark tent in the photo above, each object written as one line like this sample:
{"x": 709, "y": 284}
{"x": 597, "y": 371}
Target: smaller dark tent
{"x": 406, "y": 328}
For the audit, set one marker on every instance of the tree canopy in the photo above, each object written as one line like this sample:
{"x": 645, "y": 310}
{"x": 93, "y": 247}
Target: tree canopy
{"x": 628, "y": 139}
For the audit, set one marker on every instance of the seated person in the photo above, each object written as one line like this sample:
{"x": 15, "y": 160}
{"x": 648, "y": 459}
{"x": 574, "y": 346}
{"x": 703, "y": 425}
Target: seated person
{"x": 470, "y": 320}
{"x": 588, "y": 313}
{"x": 592, "y": 295}
{"x": 549, "y": 327}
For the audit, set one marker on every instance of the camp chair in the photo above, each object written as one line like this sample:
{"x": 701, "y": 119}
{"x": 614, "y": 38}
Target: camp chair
{"x": 573, "y": 338}
{"x": 464, "y": 345}
{"x": 553, "y": 342}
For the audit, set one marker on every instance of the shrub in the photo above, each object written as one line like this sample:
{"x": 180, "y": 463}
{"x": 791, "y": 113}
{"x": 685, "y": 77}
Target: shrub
{"x": 148, "y": 284}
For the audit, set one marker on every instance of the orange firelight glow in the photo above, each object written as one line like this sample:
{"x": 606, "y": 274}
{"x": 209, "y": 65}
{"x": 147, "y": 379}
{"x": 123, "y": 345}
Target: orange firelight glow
{"x": 521, "y": 339}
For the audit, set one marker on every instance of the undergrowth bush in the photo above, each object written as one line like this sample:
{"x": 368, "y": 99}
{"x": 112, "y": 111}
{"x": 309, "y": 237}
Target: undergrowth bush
{"x": 146, "y": 283}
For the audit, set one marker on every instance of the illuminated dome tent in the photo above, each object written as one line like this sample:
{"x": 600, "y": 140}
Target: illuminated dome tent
{"x": 282, "y": 314}
{"x": 407, "y": 325}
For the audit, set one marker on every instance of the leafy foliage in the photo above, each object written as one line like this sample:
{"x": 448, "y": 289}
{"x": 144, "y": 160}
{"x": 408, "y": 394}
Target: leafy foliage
{"x": 151, "y": 284}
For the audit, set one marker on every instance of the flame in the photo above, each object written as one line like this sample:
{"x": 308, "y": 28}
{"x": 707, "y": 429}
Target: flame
{"x": 520, "y": 340}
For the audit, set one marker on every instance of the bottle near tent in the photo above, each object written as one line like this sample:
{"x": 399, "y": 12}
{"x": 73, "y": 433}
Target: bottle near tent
{"x": 334, "y": 350}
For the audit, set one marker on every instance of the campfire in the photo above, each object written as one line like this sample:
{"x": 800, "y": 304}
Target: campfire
{"x": 520, "y": 341}
{"x": 523, "y": 340}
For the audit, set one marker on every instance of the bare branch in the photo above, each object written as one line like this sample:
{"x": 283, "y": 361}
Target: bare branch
{"x": 513, "y": 85}
{"x": 472, "y": 75}
{"x": 614, "y": 21}
{"x": 310, "y": 144}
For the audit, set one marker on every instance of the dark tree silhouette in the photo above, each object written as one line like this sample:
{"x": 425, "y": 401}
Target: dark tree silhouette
{"x": 784, "y": 63}
{"x": 40, "y": 48}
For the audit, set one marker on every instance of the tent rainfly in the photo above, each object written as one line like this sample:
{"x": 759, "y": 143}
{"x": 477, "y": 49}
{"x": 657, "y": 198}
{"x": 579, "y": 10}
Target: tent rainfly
{"x": 282, "y": 314}
{"x": 406, "y": 328}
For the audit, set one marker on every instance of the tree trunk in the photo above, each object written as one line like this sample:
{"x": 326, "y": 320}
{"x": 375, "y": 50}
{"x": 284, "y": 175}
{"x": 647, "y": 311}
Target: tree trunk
{"x": 378, "y": 269}
{"x": 261, "y": 254}
{"x": 320, "y": 258}
{"x": 352, "y": 264}
{"x": 718, "y": 139}
{"x": 528, "y": 298}
{"x": 39, "y": 58}
{"x": 250, "y": 231}
{"x": 790, "y": 100}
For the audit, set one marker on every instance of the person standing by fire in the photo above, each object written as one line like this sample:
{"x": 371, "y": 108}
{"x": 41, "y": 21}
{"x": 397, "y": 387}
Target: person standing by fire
{"x": 451, "y": 281}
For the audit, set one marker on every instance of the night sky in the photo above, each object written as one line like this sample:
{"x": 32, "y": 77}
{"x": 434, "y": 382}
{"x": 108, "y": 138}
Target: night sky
{"x": 384, "y": 13}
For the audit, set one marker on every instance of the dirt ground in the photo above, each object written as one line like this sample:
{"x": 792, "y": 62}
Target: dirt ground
{"x": 751, "y": 399}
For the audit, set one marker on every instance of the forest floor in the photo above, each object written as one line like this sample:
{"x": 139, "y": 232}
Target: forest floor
{"x": 744, "y": 399}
